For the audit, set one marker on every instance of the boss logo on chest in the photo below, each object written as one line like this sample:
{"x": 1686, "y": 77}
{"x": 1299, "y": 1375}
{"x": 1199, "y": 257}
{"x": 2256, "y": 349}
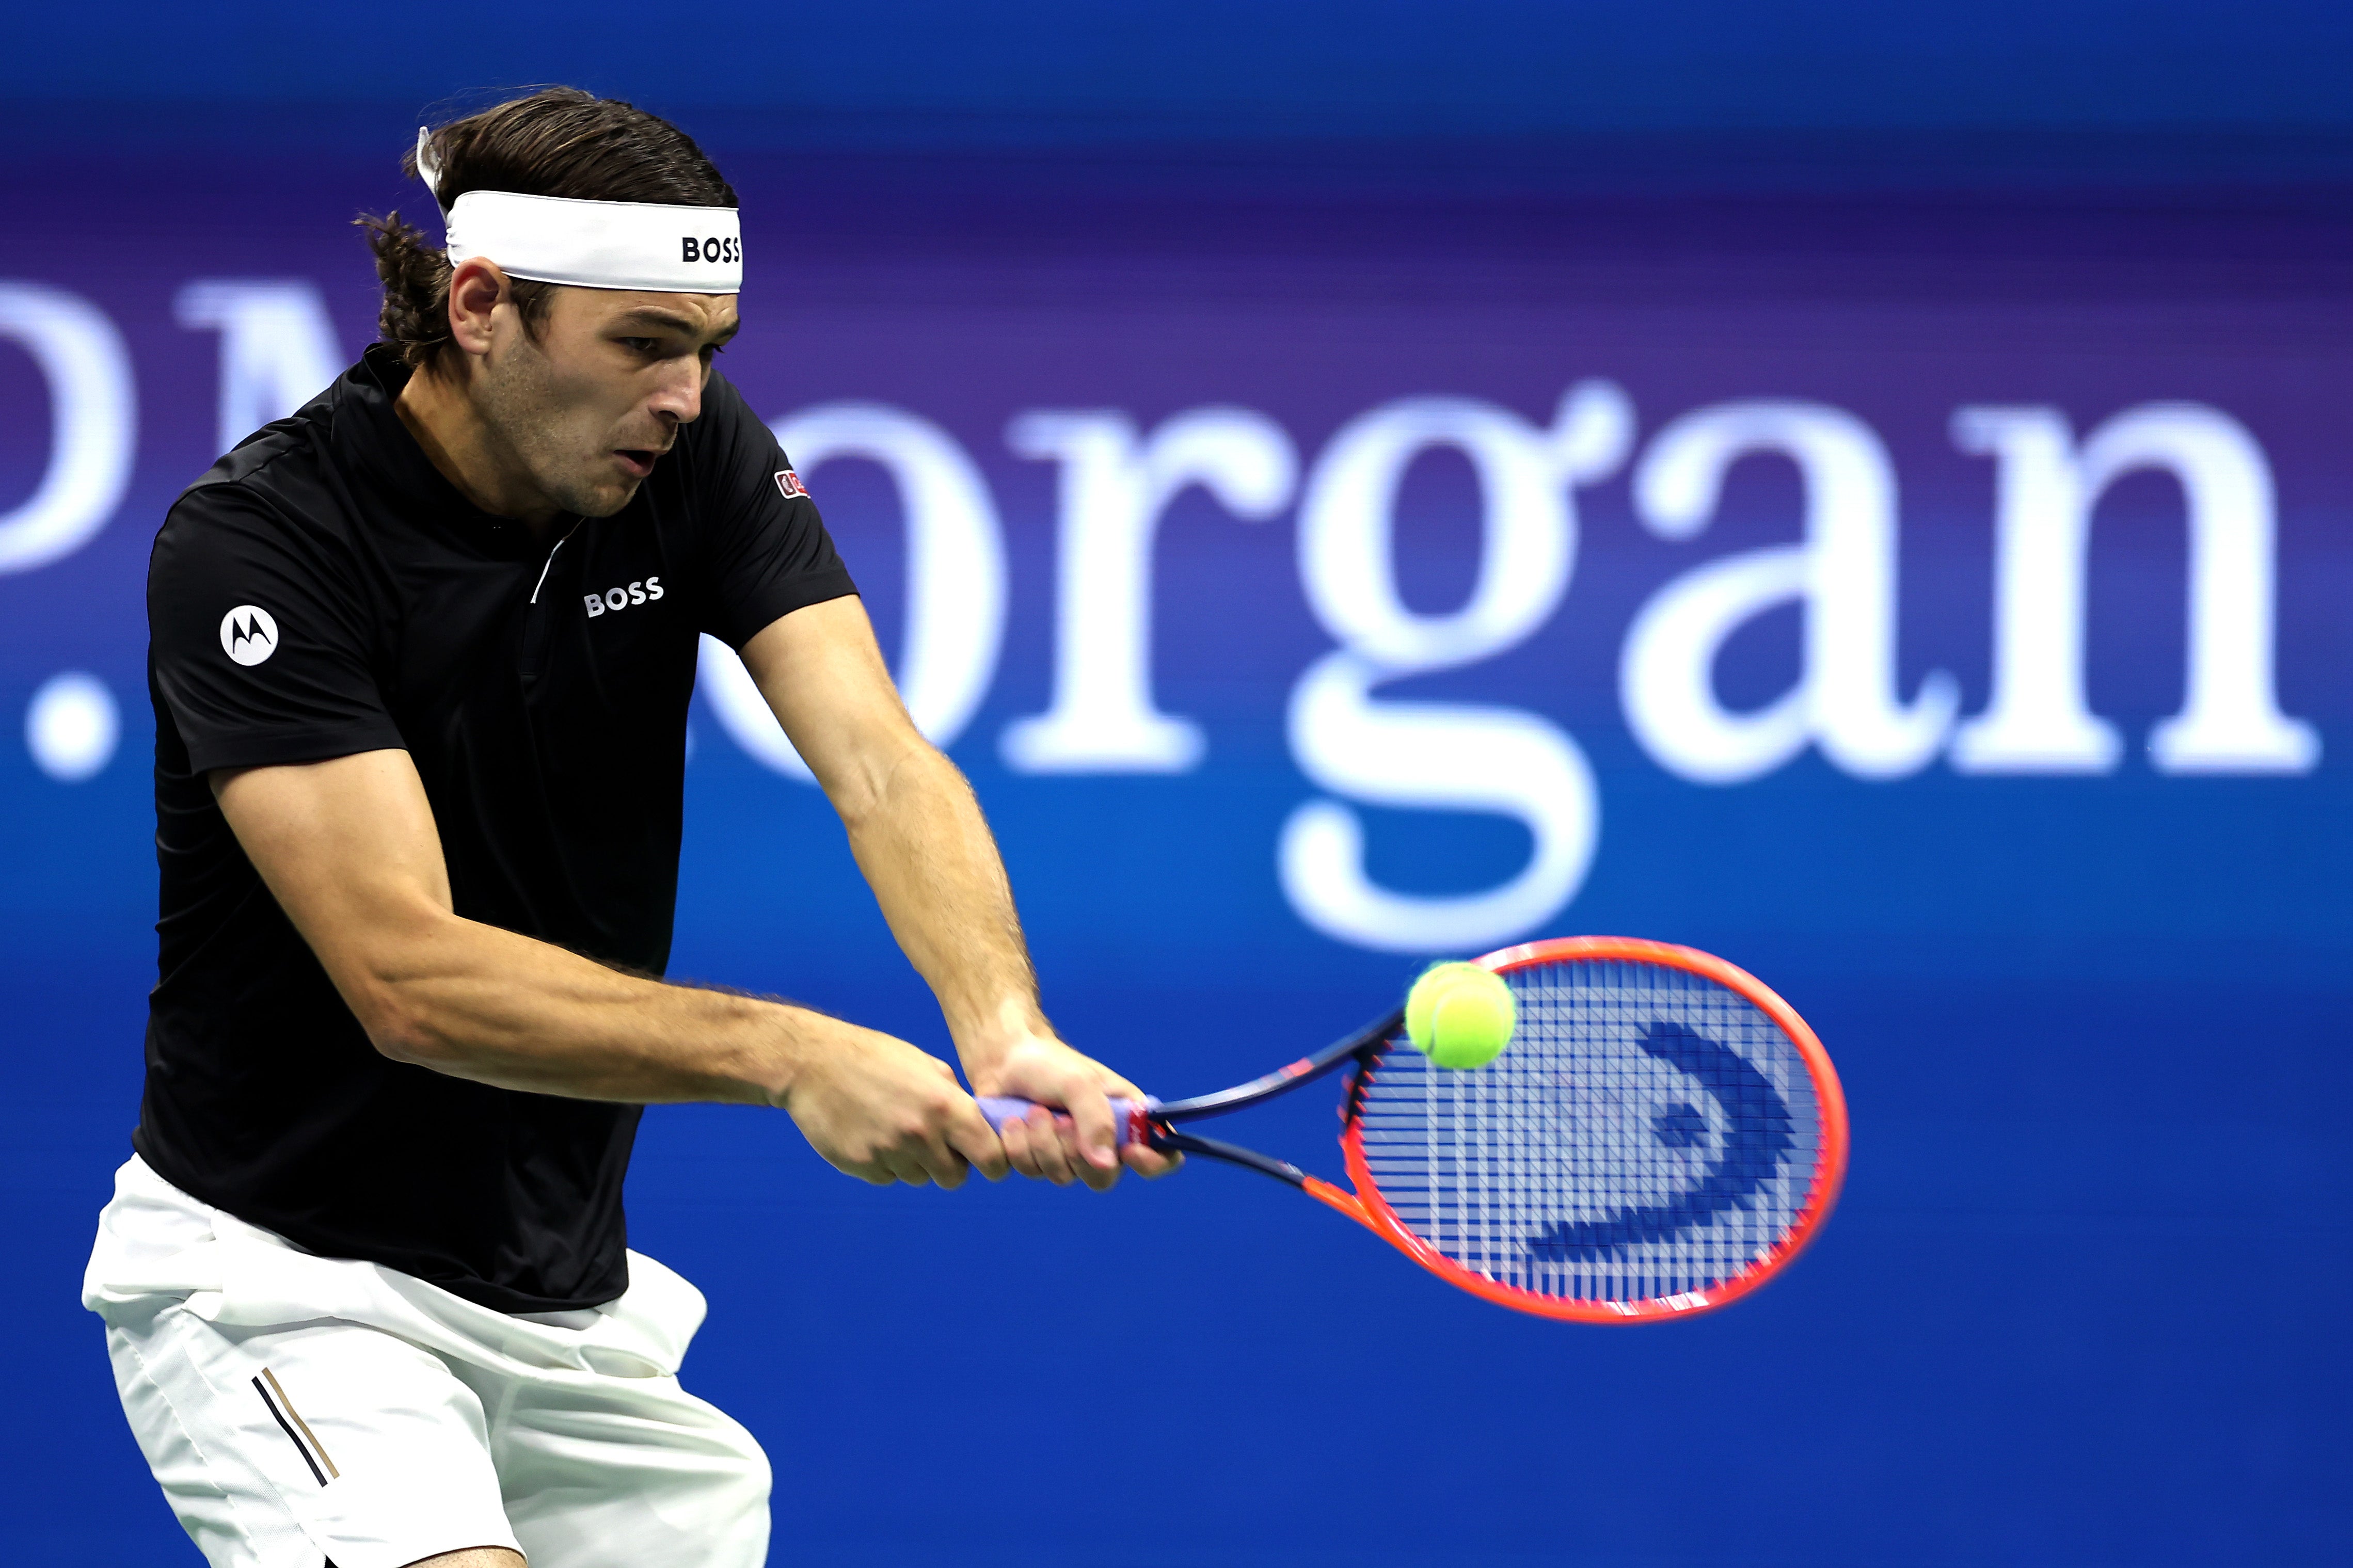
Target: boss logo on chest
{"x": 614, "y": 600}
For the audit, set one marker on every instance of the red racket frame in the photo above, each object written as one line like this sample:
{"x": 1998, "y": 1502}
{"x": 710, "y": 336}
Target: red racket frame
{"x": 1367, "y": 1207}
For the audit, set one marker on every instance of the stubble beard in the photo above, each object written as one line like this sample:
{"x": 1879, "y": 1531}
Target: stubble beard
{"x": 520, "y": 400}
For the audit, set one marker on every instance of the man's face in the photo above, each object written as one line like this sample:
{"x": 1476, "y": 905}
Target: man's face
{"x": 586, "y": 405}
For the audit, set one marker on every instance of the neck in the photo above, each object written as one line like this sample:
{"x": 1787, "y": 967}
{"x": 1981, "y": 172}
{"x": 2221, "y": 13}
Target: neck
{"x": 461, "y": 444}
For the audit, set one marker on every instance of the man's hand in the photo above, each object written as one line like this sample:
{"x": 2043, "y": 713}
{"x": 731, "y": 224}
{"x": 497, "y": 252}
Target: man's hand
{"x": 917, "y": 832}
{"x": 1062, "y": 1148}
{"x": 885, "y": 1112}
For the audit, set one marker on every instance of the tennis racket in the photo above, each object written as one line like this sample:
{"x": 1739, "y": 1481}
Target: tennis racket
{"x": 1662, "y": 1136}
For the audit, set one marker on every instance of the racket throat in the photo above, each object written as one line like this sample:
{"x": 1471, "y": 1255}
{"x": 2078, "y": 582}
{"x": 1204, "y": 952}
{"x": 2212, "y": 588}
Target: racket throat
{"x": 1168, "y": 1138}
{"x": 1322, "y": 1191}
{"x": 1339, "y": 1198}
{"x": 1350, "y": 1052}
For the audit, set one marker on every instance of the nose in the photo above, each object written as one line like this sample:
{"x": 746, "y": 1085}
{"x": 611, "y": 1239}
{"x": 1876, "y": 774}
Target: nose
{"x": 678, "y": 400}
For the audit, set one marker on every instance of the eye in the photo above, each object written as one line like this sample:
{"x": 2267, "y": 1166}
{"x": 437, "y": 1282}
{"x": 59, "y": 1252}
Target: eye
{"x": 641, "y": 345}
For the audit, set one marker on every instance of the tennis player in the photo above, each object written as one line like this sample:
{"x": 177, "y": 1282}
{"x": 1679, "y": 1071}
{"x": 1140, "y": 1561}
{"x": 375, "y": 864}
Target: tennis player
{"x": 420, "y": 661}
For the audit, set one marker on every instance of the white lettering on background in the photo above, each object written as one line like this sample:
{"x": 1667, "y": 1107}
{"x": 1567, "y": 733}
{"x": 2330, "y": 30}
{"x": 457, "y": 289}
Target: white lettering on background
{"x": 278, "y": 349}
{"x": 1842, "y": 576}
{"x": 956, "y": 577}
{"x": 1115, "y": 486}
{"x": 93, "y": 423}
{"x": 1440, "y": 756}
{"x": 71, "y": 726}
{"x": 2046, "y": 488}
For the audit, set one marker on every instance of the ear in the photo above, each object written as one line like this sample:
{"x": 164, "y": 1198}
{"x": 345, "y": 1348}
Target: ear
{"x": 475, "y": 289}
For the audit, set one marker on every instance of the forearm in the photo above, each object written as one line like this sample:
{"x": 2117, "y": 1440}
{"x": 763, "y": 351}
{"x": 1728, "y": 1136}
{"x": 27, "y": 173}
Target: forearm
{"x": 475, "y": 1002}
{"x": 349, "y": 849}
{"x": 927, "y": 851}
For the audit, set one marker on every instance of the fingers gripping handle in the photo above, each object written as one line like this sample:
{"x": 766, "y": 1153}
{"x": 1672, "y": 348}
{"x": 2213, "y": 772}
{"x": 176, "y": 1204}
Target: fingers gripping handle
{"x": 1128, "y": 1117}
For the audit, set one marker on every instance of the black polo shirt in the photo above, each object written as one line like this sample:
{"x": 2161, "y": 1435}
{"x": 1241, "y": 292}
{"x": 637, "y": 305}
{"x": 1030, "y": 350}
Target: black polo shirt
{"x": 325, "y": 591}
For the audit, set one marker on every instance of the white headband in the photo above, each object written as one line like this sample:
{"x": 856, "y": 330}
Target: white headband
{"x": 592, "y": 245}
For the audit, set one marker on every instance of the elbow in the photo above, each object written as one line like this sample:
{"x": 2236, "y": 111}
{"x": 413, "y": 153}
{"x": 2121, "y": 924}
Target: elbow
{"x": 398, "y": 1028}
{"x": 395, "y": 986}
{"x": 886, "y": 784}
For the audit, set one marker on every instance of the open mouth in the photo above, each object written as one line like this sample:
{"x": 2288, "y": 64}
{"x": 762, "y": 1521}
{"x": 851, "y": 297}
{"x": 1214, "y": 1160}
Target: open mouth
{"x": 638, "y": 460}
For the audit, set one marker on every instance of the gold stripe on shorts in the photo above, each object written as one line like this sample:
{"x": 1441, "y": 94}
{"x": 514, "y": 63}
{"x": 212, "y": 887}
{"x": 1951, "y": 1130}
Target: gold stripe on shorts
{"x": 296, "y": 1416}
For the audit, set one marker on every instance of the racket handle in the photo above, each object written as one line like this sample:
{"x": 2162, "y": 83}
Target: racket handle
{"x": 1128, "y": 1116}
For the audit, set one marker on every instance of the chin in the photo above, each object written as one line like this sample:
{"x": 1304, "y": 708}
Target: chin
{"x": 602, "y": 500}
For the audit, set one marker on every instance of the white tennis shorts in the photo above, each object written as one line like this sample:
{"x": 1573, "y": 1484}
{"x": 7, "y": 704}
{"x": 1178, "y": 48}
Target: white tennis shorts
{"x": 299, "y": 1410}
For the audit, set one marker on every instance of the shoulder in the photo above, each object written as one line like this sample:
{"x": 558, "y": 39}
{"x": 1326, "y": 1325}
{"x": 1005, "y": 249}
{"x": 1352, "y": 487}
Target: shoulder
{"x": 286, "y": 480}
{"x": 725, "y": 410}
{"x": 729, "y": 443}
{"x": 273, "y": 503}
{"x": 222, "y": 519}
{"x": 292, "y": 456}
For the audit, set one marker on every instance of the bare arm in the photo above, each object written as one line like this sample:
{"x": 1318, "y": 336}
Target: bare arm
{"x": 926, "y": 849}
{"x": 349, "y": 849}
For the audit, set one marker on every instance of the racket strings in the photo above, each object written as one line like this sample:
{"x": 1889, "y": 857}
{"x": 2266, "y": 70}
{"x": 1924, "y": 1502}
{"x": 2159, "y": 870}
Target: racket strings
{"x": 1648, "y": 1135}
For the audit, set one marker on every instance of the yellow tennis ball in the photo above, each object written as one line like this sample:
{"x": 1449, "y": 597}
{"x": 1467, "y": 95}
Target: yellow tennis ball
{"x": 1472, "y": 1022}
{"x": 1434, "y": 982}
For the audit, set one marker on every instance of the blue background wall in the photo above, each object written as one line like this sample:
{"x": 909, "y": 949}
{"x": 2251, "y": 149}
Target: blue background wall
{"x": 2078, "y": 1304}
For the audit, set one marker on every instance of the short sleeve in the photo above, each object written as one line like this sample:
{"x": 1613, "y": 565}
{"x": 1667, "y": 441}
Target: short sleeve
{"x": 258, "y": 637}
{"x": 767, "y": 550}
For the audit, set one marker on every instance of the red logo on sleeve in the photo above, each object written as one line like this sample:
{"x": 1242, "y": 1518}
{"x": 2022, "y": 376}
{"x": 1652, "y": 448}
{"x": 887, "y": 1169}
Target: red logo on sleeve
{"x": 790, "y": 484}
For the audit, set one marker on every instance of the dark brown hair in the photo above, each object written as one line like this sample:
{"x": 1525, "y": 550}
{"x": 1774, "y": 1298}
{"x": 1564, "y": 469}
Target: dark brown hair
{"x": 557, "y": 142}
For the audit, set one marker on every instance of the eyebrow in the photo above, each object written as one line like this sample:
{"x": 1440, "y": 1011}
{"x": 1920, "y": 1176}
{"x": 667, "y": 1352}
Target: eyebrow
{"x": 648, "y": 315}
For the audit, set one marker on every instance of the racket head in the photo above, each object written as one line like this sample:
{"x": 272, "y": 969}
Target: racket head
{"x": 1663, "y": 1136}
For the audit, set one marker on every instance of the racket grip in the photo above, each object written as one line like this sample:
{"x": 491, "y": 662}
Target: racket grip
{"x": 1127, "y": 1116}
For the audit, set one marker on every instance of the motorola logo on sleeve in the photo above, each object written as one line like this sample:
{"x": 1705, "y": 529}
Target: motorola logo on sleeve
{"x": 248, "y": 635}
